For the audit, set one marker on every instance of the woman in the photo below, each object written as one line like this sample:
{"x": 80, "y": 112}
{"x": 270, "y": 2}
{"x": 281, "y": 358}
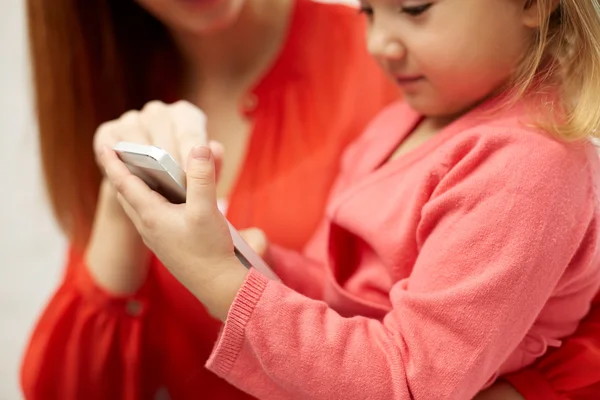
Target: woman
{"x": 284, "y": 104}
{"x": 278, "y": 81}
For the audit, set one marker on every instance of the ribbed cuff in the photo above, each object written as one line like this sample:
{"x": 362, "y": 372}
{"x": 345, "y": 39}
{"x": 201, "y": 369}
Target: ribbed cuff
{"x": 229, "y": 344}
{"x": 532, "y": 385}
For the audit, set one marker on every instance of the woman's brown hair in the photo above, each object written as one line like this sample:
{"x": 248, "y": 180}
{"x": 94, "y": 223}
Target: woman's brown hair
{"x": 91, "y": 61}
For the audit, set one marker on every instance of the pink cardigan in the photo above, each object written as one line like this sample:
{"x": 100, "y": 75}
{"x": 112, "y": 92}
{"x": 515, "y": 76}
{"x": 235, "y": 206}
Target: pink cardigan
{"x": 433, "y": 273}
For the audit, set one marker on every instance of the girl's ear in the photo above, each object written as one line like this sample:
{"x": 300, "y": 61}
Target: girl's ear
{"x": 532, "y": 10}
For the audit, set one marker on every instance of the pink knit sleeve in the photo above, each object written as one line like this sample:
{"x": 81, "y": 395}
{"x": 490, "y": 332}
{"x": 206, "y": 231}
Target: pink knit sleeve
{"x": 494, "y": 240}
{"x": 298, "y": 272}
{"x": 305, "y": 271}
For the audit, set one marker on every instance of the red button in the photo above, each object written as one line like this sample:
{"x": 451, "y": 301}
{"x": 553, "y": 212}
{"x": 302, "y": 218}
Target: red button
{"x": 250, "y": 103}
{"x": 134, "y": 308}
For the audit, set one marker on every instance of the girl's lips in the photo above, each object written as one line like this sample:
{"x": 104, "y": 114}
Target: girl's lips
{"x": 197, "y": 3}
{"x": 408, "y": 81}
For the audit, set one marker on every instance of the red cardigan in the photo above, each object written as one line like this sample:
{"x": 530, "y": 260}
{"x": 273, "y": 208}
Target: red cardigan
{"x": 460, "y": 261}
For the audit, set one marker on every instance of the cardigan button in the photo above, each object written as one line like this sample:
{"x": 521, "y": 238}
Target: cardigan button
{"x": 250, "y": 103}
{"x": 134, "y": 308}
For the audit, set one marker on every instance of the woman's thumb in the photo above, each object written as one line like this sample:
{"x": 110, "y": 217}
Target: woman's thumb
{"x": 201, "y": 190}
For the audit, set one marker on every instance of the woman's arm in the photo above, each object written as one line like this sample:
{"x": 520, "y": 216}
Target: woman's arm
{"x": 88, "y": 343}
{"x": 570, "y": 372}
{"x": 116, "y": 256}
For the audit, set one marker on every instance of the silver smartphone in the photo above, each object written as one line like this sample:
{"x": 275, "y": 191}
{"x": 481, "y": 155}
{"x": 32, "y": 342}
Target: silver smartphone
{"x": 162, "y": 173}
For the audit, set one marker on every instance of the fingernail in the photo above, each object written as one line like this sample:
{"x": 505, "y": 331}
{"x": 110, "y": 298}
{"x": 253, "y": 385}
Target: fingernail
{"x": 201, "y": 152}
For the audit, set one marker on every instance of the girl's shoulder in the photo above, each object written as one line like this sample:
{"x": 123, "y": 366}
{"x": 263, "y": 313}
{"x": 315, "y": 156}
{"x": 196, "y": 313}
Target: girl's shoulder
{"x": 513, "y": 146}
{"x": 505, "y": 143}
{"x": 521, "y": 129}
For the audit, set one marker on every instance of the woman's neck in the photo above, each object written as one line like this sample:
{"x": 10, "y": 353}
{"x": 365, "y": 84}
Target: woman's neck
{"x": 238, "y": 54}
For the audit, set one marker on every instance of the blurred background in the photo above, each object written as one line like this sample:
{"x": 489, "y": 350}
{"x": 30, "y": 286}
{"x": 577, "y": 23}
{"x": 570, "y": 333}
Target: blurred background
{"x": 31, "y": 247}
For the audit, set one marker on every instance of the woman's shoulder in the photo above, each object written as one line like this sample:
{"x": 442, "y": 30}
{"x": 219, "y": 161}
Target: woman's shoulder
{"x": 344, "y": 11}
{"x": 332, "y": 28}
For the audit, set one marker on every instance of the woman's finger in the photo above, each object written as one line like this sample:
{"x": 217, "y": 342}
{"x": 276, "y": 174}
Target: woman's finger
{"x": 189, "y": 123}
{"x": 126, "y": 128}
{"x": 256, "y": 239}
{"x": 105, "y": 136}
{"x": 131, "y": 129}
{"x": 217, "y": 150}
{"x": 156, "y": 120}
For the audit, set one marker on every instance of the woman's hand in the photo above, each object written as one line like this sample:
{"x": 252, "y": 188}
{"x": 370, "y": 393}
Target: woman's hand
{"x": 501, "y": 390}
{"x": 175, "y": 128}
{"x": 257, "y": 240}
{"x": 116, "y": 256}
{"x": 192, "y": 239}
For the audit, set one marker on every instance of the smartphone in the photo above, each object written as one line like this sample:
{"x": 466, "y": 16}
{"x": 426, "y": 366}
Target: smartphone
{"x": 162, "y": 173}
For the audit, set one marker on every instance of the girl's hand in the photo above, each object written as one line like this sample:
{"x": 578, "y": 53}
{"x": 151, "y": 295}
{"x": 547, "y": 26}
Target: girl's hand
{"x": 192, "y": 239}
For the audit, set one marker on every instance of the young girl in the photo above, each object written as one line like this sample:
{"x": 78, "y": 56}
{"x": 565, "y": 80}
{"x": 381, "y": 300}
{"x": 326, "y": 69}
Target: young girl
{"x": 461, "y": 238}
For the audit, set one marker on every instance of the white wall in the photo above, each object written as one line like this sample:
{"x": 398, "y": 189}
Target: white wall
{"x": 30, "y": 245}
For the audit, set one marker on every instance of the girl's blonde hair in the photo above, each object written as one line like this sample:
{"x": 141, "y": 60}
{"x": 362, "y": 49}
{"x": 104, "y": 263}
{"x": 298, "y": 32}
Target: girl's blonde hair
{"x": 568, "y": 35}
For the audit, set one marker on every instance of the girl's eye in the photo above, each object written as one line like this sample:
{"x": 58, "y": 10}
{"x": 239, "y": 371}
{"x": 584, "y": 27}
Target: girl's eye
{"x": 414, "y": 11}
{"x": 366, "y": 10}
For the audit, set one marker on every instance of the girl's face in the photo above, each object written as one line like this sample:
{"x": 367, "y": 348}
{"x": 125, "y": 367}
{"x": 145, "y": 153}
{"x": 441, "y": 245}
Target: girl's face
{"x": 448, "y": 55}
{"x": 194, "y": 16}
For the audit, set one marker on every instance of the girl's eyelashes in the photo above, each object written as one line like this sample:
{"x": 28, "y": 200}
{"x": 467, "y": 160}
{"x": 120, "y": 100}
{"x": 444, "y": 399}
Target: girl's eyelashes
{"x": 366, "y": 10}
{"x": 414, "y": 11}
